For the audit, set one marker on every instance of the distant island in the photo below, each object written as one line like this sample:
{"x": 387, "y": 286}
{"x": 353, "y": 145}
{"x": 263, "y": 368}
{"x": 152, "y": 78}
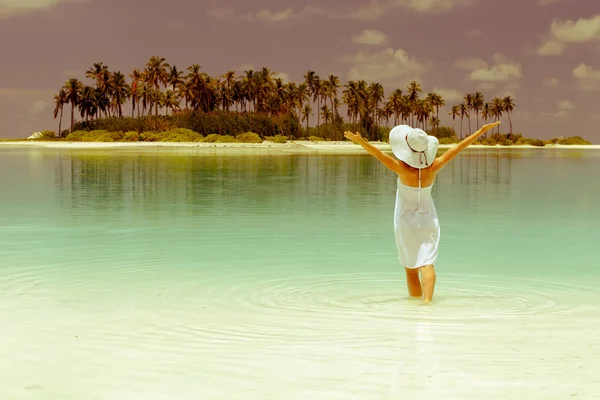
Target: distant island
{"x": 167, "y": 104}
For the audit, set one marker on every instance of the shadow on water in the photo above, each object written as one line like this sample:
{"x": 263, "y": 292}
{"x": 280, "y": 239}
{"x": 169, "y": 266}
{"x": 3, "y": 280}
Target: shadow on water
{"x": 152, "y": 179}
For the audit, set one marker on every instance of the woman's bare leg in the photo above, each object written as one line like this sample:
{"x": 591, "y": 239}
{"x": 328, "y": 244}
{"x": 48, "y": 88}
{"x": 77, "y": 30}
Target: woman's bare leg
{"x": 428, "y": 278}
{"x": 413, "y": 282}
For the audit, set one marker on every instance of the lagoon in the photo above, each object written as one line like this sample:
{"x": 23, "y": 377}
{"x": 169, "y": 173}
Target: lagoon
{"x": 180, "y": 273}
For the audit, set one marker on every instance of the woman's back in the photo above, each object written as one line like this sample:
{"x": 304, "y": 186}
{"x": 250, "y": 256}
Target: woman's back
{"x": 409, "y": 176}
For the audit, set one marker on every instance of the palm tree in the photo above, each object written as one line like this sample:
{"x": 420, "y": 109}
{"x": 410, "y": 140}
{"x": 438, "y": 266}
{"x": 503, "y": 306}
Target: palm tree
{"x": 73, "y": 87}
{"x": 60, "y": 99}
{"x": 486, "y": 113}
{"x": 333, "y": 86}
{"x": 134, "y": 91}
{"x": 97, "y": 72}
{"x": 497, "y": 107}
{"x": 306, "y": 113}
{"x": 229, "y": 81}
{"x": 175, "y": 78}
{"x": 508, "y": 106}
{"x": 395, "y": 101}
{"x": 316, "y": 90}
{"x": 413, "y": 90}
{"x": 119, "y": 90}
{"x": 170, "y": 100}
{"x": 455, "y": 112}
{"x": 468, "y": 100}
{"x": 162, "y": 86}
{"x": 88, "y": 102}
{"x": 464, "y": 112}
{"x": 376, "y": 95}
{"x": 478, "y": 101}
{"x": 157, "y": 74}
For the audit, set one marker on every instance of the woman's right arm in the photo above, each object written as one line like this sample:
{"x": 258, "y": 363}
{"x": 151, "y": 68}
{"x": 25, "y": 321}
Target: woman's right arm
{"x": 449, "y": 155}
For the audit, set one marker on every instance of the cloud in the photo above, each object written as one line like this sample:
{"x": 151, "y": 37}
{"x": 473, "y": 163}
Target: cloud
{"x": 376, "y": 9}
{"x": 551, "y": 48}
{"x": 10, "y": 8}
{"x": 449, "y": 94}
{"x": 548, "y": 2}
{"x": 265, "y": 15}
{"x": 373, "y": 10}
{"x": 579, "y": 31}
{"x": 550, "y": 82}
{"x": 385, "y": 66}
{"x": 501, "y": 70}
{"x": 370, "y": 37}
{"x": 587, "y": 77}
{"x": 563, "y": 32}
{"x": 566, "y": 105}
{"x": 270, "y": 16}
{"x": 563, "y": 109}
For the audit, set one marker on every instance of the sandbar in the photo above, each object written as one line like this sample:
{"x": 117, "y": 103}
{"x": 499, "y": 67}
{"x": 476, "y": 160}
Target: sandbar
{"x": 295, "y": 146}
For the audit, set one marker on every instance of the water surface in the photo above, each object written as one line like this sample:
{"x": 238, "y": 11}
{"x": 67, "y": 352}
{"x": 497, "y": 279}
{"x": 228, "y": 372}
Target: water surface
{"x": 185, "y": 274}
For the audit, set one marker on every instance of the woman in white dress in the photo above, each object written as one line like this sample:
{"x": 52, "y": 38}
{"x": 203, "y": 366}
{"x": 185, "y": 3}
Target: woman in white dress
{"x": 416, "y": 224}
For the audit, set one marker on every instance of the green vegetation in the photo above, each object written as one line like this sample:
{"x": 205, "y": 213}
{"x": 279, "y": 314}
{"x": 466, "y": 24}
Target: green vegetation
{"x": 172, "y": 105}
{"x": 172, "y": 135}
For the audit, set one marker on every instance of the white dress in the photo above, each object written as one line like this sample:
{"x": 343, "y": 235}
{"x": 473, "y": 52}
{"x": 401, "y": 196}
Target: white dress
{"x": 416, "y": 226}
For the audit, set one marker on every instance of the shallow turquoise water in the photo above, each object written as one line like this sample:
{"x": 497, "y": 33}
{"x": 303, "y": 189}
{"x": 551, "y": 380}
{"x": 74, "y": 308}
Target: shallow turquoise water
{"x": 180, "y": 274}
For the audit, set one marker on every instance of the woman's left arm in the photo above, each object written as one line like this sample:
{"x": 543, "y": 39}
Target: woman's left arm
{"x": 390, "y": 162}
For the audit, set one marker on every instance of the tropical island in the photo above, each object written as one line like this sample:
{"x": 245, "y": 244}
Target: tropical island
{"x": 170, "y": 105}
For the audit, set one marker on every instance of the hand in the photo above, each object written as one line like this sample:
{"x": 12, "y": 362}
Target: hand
{"x": 356, "y": 138}
{"x": 487, "y": 127}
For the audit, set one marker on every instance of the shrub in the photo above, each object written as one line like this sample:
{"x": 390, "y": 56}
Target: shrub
{"x": 491, "y": 141}
{"x": 573, "y": 140}
{"x": 226, "y": 139}
{"x": 279, "y": 139}
{"x": 538, "y": 143}
{"x": 448, "y": 140}
{"x": 316, "y": 139}
{"x": 384, "y": 134}
{"x": 248, "y": 137}
{"x": 204, "y": 123}
{"x": 444, "y": 132}
{"x": 150, "y": 136}
{"x": 212, "y": 138}
{"x": 131, "y": 136}
{"x": 515, "y": 137}
{"x": 180, "y": 135}
{"x": 75, "y": 136}
{"x": 47, "y": 135}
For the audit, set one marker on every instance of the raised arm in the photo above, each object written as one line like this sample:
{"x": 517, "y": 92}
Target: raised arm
{"x": 445, "y": 158}
{"x": 387, "y": 160}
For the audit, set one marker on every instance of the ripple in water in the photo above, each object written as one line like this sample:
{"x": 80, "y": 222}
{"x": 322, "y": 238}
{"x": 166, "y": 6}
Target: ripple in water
{"x": 384, "y": 295}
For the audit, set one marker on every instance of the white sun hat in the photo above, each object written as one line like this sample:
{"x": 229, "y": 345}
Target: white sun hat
{"x": 413, "y": 146}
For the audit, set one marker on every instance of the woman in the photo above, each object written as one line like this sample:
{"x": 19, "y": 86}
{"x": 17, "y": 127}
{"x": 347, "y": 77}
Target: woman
{"x": 416, "y": 224}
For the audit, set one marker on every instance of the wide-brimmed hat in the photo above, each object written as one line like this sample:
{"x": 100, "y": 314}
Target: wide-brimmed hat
{"x": 413, "y": 146}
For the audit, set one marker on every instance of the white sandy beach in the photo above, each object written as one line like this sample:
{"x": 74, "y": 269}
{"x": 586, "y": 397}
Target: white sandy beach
{"x": 296, "y": 146}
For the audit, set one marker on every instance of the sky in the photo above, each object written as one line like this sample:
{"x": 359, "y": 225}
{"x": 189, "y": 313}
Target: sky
{"x": 543, "y": 53}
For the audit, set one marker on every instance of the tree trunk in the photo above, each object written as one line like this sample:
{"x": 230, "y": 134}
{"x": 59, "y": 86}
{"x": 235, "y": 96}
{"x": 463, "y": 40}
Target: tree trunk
{"x": 60, "y": 121}
{"x": 72, "y": 115}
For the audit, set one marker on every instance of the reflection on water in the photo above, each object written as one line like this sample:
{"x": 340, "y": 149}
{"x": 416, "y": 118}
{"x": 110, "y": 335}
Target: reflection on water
{"x": 176, "y": 275}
